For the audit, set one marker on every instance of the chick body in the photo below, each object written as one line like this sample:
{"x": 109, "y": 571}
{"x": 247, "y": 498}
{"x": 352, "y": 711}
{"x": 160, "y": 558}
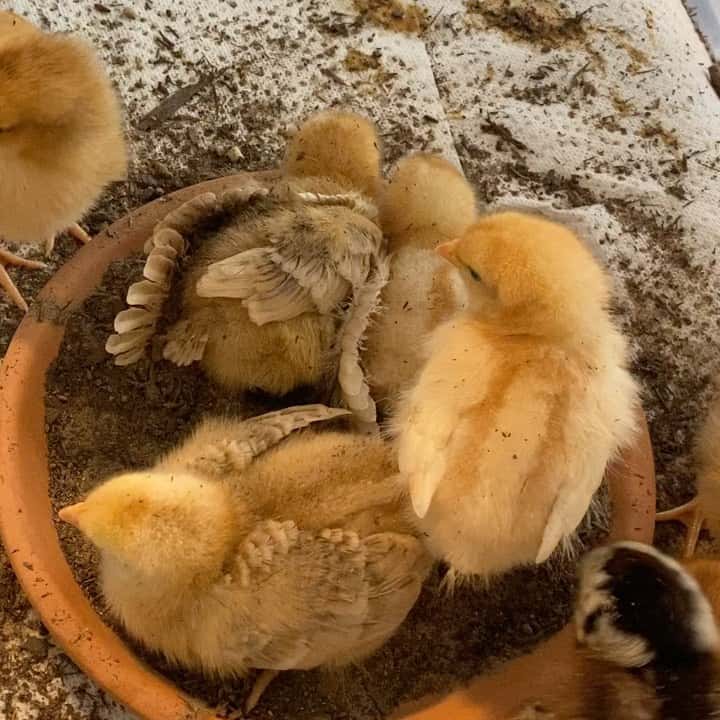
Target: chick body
{"x": 426, "y": 202}
{"x": 62, "y": 139}
{"x": 524, "y": 399}
{"x": 704, "y": 509}
{"x": 224, "y": 561}
{"x": 281, "y": 281}
{"x": 650, "y": 639}
{"x": 277, "y": 355}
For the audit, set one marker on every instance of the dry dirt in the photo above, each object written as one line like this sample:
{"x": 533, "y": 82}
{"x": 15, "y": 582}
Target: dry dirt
{"x": 204, "y": 80}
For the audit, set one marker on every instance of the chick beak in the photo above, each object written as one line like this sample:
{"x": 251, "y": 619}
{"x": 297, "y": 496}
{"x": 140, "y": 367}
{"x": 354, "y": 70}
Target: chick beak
{"x": 71, "y": 514}
{"x": 447, "y": 251}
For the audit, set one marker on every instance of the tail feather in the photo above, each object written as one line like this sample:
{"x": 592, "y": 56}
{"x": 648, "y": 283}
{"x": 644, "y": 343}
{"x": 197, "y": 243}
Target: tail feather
{"x": 165, "y": 249}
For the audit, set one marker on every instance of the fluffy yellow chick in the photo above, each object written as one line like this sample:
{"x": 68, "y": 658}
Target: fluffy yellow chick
{"x": 426, "y": 202}
{"x": 704, "y": 508}
{"x": 524, "y": 399}
{"x": 224, "y": 560}
{"x": 280, "y": 283}
{"x": 61, "y": 138}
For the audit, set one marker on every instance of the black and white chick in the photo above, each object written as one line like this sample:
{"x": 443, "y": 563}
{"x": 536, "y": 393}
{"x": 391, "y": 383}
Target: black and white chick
{"x": 650, "y": 635}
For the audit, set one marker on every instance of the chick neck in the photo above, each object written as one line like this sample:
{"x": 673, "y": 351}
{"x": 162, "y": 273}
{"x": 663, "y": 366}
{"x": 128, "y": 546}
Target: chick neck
{"x": 420, "y": 238}
{"x": 577, "y": 328}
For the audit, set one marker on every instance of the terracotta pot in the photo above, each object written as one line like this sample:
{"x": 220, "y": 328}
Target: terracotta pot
{"x": 30, "y": 539}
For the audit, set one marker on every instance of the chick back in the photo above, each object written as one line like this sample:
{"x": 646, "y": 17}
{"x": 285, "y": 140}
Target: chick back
{"x": 275, "y": 357}
{"x": 530, "y": 428}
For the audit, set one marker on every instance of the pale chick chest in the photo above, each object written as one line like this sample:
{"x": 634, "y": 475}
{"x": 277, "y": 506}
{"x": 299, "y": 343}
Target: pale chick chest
{"x": 509, "y": 439}
{"x": 423, "y": 292}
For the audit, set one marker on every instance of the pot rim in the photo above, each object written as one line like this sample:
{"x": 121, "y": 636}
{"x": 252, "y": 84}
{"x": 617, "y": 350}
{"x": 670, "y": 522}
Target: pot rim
{"x": 27, "y": 528}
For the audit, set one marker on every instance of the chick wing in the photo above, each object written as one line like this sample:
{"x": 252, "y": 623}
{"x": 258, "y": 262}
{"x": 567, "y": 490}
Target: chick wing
{"x": 294, "y": 274}
{"x": 323, "y": 592}
{"x": 219, "y": 446}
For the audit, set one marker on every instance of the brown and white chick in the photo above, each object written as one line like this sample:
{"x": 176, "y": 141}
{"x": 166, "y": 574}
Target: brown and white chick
{"x": 426, "y": 202}
{"x": 524, "y": 399}
{"x": 704, "y": 508}
{"x": 650, "y": 638}
{"x": 279, "y": 282}
{"x": 224, "y": 559}
{"x": 61, "y": 138}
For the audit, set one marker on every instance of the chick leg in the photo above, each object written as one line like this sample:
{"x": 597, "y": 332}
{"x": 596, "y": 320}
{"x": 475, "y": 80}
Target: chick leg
{"x": 79, "y": 234}
{"x": 266, "y": 677}
{"x": 74, "y": 231}
{"x": 6, "y": 283}
{"x": 691, "y": 516}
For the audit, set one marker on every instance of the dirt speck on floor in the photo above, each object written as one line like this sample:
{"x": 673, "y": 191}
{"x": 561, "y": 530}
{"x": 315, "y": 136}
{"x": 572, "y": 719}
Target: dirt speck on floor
{"x": 394, "y": 15}
{"x": 542, "y": 22}
{"x": 358, "y": 61}
{"x": 656, "y": 130}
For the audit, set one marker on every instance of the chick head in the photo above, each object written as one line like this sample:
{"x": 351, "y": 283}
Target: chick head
{"x": 158, "y": 523}
{"x": 638, "y": 607}
{"x": 338, "y": 145}
{"x": 427, "y": 193}
{"x": 523, "y": 269}
{"x": 45, "y": 83}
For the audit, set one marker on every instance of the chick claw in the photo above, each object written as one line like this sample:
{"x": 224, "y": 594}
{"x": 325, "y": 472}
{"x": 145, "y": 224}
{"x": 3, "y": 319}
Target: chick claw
{"x": 6, "y": 283}
{"x": 691, "y": 516}
{"x": 266, "y": 677}
{"x": 74, "y": 231}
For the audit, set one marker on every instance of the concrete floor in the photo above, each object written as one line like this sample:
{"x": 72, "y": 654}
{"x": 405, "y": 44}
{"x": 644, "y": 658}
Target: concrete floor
{"x": 598, "y": 115}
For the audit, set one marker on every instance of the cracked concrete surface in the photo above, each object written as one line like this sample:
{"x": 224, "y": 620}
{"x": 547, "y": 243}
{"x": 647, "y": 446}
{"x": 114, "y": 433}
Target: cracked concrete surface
{"x": 599, "y": 115}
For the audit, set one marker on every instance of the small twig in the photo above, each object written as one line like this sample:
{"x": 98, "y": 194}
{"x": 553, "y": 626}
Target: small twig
{"x": 172, "y": 103}
{"x": 165, "y": 41}
{"x": 433, "y": 20}
{"x": 332, "y": 75}
{"x": 577, "y": 75}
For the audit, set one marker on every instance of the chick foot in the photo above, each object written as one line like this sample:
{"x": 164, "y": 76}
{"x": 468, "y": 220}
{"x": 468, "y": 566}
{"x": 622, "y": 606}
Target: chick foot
{"x": 6, "y": 283}
{"x": 74, "y": 231}
{"x": 691, "y": 516}
{"x": 266, "y": 677}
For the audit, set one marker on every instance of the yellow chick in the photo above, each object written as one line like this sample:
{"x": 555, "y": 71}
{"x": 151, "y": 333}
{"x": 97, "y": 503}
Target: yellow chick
{"x": 524, "y": 399}
{"x": 426, "y": 202}
{"x": 61, "y": 138}
{"x": 224, "y": 560}
{"x": 281, "y": 282}
{"x": 704, "y": 508}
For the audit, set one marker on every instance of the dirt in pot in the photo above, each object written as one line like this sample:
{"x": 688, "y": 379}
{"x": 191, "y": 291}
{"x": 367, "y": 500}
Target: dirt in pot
{"x": 102, "y": 419}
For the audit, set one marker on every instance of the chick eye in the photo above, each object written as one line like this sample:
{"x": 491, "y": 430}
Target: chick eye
{"x": 474, "y": 275}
